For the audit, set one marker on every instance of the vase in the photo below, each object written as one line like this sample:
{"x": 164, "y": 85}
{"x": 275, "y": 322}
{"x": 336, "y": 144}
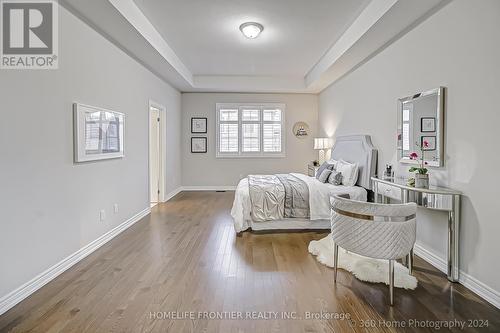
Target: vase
{"x": 421, "y": 180}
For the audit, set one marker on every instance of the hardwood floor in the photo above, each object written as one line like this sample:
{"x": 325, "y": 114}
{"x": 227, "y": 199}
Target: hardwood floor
{"x": 185, "y": 258}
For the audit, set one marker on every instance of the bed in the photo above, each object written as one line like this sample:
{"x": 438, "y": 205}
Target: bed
{"x": 353, "y": 148}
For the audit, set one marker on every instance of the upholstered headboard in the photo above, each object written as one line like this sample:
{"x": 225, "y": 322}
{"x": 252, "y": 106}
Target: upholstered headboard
{"x": 357, "y": 149}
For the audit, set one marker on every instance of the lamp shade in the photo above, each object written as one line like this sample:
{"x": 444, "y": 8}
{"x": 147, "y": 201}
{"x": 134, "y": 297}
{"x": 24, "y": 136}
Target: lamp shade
{"x": 323, "y": 143}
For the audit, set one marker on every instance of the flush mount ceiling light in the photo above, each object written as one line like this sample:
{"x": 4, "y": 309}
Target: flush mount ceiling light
{"x": 251, "y": 29}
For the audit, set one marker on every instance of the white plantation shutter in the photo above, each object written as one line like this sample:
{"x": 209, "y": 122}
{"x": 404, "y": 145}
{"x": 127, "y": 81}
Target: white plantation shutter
{"x": 272, "y": 115}
{"x": 272, "y": 130}
{"x": 250, "y": 130}
{"x": 228, "y": 138}
{"x": 254, "y": 130}
{"x": 228, "y": 130}
{"x": 272, "y": 138}
{"x": 250, "y": 138}
{"x": 250, "y": 115}
{"x": 228, "y": 115}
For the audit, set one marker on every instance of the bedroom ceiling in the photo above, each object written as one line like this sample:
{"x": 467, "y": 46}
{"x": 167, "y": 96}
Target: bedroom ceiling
{"x": 196, "y": 45}
{"x": 206, "y": 36}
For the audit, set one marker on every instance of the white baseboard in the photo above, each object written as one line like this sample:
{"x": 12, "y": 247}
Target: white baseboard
{"x": 10, "y": 300}
{"x": 489, "y": 294}
{"x": 197, "y": 188}
{"x": 483, "y": 290}
{"x": 172, "y": 194}
{"x": 431, "y": 257}
{"x": 208, "y": 188}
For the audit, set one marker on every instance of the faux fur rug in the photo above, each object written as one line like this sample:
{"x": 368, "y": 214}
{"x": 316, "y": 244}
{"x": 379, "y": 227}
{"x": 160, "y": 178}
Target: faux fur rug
{"x": 363, "y": 268}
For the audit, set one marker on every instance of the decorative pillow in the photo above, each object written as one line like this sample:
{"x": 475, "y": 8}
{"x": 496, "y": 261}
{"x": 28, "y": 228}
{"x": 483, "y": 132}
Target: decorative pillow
{"x": 335, "y": 178}
{"x": 323, "y": 177}
{"x": 323, "y": 166}
{"x": 333, "y": 162}
{"x": 349, "y": 172}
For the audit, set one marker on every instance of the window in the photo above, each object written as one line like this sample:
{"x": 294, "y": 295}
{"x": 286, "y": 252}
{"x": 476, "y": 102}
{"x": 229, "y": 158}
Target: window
{"x": 407, "y": 130}
{"x": 250, "y": 130}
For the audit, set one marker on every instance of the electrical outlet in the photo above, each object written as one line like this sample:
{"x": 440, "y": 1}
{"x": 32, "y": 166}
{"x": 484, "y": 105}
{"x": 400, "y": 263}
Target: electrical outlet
{"x": 116, "y": 209}
{"x": 102, "y": 214}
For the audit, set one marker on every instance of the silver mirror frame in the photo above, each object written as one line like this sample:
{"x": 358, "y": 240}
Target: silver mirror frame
{"x": 439, "y": 126}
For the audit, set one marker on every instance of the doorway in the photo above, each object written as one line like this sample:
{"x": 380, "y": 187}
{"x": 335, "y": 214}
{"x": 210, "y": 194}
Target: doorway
{"x": 156, "y": 153}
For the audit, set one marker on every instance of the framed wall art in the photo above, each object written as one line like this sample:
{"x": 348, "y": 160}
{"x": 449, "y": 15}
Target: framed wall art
{"x": 428, "y": 124}
{"x": 98, "y": 133}
{"x": 198, "y": 125}
{"x": 300, "y": 130}
{"x": 198, "y": 145}
{"x": 431, "y": 140}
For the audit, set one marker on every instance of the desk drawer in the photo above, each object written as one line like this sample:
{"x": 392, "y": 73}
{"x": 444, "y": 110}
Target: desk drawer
{"x": 389, "y": 191}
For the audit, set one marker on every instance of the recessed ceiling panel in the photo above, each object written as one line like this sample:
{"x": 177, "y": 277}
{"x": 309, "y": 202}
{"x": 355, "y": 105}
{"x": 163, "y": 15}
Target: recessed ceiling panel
{"x": 205, "y": 34}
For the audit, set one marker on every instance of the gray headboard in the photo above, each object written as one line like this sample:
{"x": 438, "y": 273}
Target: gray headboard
{"x": 357, "y": 149}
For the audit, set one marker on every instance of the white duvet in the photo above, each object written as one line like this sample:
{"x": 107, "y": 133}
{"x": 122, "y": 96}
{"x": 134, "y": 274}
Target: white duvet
{"x": 319, "y": 200}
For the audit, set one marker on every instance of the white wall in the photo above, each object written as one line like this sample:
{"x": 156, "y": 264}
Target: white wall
{"x": 207, "y": 170}
{"x": 458, "y": 48}
{"x": 49, "y": 205}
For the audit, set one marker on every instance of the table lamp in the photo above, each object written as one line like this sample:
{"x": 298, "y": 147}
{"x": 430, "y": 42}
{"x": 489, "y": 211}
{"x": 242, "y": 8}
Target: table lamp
{"x": 322, "y": 144}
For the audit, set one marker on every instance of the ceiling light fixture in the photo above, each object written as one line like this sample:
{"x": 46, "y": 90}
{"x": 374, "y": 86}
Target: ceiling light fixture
{"x": 251, "y": 29}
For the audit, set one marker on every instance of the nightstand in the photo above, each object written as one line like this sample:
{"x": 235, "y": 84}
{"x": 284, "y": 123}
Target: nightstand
{"x": 311, "y": 170}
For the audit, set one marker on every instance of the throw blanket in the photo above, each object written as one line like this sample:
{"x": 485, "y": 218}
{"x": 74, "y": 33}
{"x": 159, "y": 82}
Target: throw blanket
{"x": 274, "y": 197}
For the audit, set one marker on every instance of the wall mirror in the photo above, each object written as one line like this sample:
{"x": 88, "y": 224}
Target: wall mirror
{"x": 420, "y": 118}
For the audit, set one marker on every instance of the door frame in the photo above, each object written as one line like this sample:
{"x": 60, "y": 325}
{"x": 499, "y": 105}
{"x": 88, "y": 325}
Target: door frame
{"x": 163, "y": 144}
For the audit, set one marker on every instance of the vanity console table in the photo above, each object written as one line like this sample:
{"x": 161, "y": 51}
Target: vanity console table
{"x": 437, "y": 198}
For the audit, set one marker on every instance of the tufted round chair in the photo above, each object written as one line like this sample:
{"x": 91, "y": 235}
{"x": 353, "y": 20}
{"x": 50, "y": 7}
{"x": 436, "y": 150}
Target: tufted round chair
{"x": 373, "y": 230}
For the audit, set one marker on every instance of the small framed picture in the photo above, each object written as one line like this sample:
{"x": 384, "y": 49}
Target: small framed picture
{"x": 198, "y": 125}
{"x": 431, "y": 140}
{"x": 428, "y": 124}
{"x": 198, "y": 145}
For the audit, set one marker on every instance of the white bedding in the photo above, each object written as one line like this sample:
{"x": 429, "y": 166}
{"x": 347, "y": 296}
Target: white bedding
{"x": 319, "y": 201}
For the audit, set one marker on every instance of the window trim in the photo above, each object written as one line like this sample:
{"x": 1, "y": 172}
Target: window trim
{"x": 241, "y": 154}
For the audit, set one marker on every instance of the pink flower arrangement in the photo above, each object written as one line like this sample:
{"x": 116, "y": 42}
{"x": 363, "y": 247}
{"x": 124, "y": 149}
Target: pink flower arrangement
{"x": 414, "y": 156}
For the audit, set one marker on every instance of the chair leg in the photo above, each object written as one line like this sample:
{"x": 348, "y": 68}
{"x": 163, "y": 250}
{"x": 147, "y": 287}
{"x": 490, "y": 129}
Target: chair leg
{"x": 335, "y": 261}
{"x": 410, "y": 262}
{"x": 391, "y": 281}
